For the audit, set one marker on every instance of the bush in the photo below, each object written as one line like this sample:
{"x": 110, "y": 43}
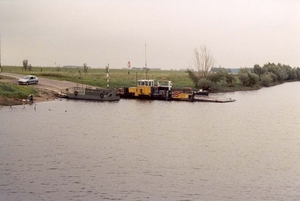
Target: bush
{"x": 230, "y": 80}
{"x": 266, "y": 79}
{"x": 274, "y": 77}
{"x": 253, "y": 79}
{"x": 215, "y": 77}
{"x": 247, "y": 78}
{"x": 243, "y": 77}
{"x": 15, "y": 91}
{"x": 206, "y": 84}
{"x": 298, "y": 73}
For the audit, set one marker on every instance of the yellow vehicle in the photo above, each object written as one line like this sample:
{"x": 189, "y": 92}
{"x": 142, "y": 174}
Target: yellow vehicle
{"x": 146, "y": 89}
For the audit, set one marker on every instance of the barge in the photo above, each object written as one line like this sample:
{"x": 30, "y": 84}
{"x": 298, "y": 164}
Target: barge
{"x": 92, "y": 93}
{"x": 146, "y": 89}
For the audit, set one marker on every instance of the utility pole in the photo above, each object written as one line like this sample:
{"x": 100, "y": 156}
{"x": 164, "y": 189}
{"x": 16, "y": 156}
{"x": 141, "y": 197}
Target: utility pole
{"x": 146, "y": 61}
{"x": 107, "y": 76}
{"x": 128, "y": 65}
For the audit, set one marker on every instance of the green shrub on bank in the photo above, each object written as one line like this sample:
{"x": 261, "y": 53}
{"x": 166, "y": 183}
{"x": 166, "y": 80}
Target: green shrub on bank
{"x": 16, "y": 91}
{"x": 266, "y": 80}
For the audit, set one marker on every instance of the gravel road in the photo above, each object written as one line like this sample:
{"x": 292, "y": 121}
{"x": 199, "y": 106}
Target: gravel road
{"x": 54, "y": 85}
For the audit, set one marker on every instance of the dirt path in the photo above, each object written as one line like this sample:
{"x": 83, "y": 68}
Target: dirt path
{"x": 55, "y": 85}
{"x": 48, "y": 89}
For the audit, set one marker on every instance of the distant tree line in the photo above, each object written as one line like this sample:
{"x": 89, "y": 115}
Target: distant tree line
{"x": 268, "y": 75}
{"x": 271, "y": 73}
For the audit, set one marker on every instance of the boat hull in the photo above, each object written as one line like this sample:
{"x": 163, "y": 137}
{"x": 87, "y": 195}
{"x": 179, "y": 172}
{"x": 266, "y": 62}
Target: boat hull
{"x": 213, "y": 99}
{"x": 148, "y": 93}
{"x": 201, "y": 93}
{"x": 95, "y": 94}
{"x": 93, "y": 98}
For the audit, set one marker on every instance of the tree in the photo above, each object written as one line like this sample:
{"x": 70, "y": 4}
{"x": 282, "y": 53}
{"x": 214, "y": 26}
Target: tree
{"x": 253, "y": 79}
{"x": 25, "y": 64}
{"x": 230, "y": 79}
{"x": 203, "y": 61}
{"x": 193, "y": 77}
{"x": 218, "y": 76}
{"x": 85, "y": 68}
{"x": 247, "y": 78}
{"x": 258, "y": 70}
{"x": 243, "y": 77}
{"x": 206, "y": 84}
{"x": 298, "y": 73}
{"x": 266, "y": 79}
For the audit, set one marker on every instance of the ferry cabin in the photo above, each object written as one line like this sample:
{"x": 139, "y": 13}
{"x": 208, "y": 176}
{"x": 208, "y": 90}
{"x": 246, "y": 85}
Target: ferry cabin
{"x": 146, "y": 89}
{"x": 143, "y": 88}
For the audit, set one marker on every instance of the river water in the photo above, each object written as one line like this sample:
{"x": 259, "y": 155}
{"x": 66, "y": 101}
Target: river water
{"x": 154, "y": 150}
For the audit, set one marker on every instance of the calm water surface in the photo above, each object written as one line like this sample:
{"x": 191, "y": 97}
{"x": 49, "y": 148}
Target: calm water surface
{"x": 154, "y": 150}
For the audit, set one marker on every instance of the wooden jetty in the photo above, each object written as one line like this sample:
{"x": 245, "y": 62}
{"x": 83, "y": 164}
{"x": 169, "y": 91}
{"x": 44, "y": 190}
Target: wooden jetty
{"x": 212, "y": 99}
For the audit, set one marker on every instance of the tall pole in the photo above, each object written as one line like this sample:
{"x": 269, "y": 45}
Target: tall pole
{"x": 107, "y": 76}
{"x": 128, "y": 65}
{"x": 146, "y": 61}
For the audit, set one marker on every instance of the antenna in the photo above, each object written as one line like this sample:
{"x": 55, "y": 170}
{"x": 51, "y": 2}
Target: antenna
{"x": 145, "y": 55}
{"x": 146, "y": 61}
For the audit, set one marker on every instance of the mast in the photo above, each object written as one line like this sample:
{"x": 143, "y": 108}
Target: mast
{"x": 146, "y": 61}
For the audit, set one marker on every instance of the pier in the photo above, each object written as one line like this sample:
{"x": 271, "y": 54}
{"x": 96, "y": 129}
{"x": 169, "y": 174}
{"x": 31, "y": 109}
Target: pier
{"x": 212, "y": 99}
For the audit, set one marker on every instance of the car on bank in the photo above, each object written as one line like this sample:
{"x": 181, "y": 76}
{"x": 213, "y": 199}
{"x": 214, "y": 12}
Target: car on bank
{"x": 29, "y": 79}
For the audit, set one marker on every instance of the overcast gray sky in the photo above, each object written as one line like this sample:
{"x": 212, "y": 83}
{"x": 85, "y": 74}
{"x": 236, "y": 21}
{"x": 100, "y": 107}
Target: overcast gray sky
{"x": 238, "y": 33}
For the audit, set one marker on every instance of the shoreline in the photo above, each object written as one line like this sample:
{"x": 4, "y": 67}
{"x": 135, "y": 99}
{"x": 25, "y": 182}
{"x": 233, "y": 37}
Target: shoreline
{"x": 44, "y": 95}
{"x": 49, "y": 93}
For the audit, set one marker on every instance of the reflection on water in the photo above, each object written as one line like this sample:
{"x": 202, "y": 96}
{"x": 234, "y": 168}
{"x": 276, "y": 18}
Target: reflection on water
{"x": 154, "y": 150}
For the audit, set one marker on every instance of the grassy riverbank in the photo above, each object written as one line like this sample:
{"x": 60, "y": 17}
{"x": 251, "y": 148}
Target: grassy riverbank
{"x": 220, "y": 81}
{"x": 118, "y": 77}
{"x": 12, "y": 94}
{"x": 97, "y": 77}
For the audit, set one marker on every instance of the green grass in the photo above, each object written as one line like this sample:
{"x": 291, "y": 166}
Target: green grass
{"x": 119, "y": 77}
{"x": 15, "y": 91}
{"x": 97, "y": 77}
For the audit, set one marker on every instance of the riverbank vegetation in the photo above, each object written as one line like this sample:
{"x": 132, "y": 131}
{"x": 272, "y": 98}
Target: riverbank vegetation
{"x": 12, "y": 94}
{"x": 216, "y": 80}
{"x": 269, "y": 74}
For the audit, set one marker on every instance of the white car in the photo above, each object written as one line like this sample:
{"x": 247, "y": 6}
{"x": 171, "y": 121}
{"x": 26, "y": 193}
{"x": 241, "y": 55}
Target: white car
{"x": 29, "y": 79}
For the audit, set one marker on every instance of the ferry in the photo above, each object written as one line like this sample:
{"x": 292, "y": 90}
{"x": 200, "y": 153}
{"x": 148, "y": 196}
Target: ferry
{"x": 92, "y": 93}
{"x": 146, "y": 89}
